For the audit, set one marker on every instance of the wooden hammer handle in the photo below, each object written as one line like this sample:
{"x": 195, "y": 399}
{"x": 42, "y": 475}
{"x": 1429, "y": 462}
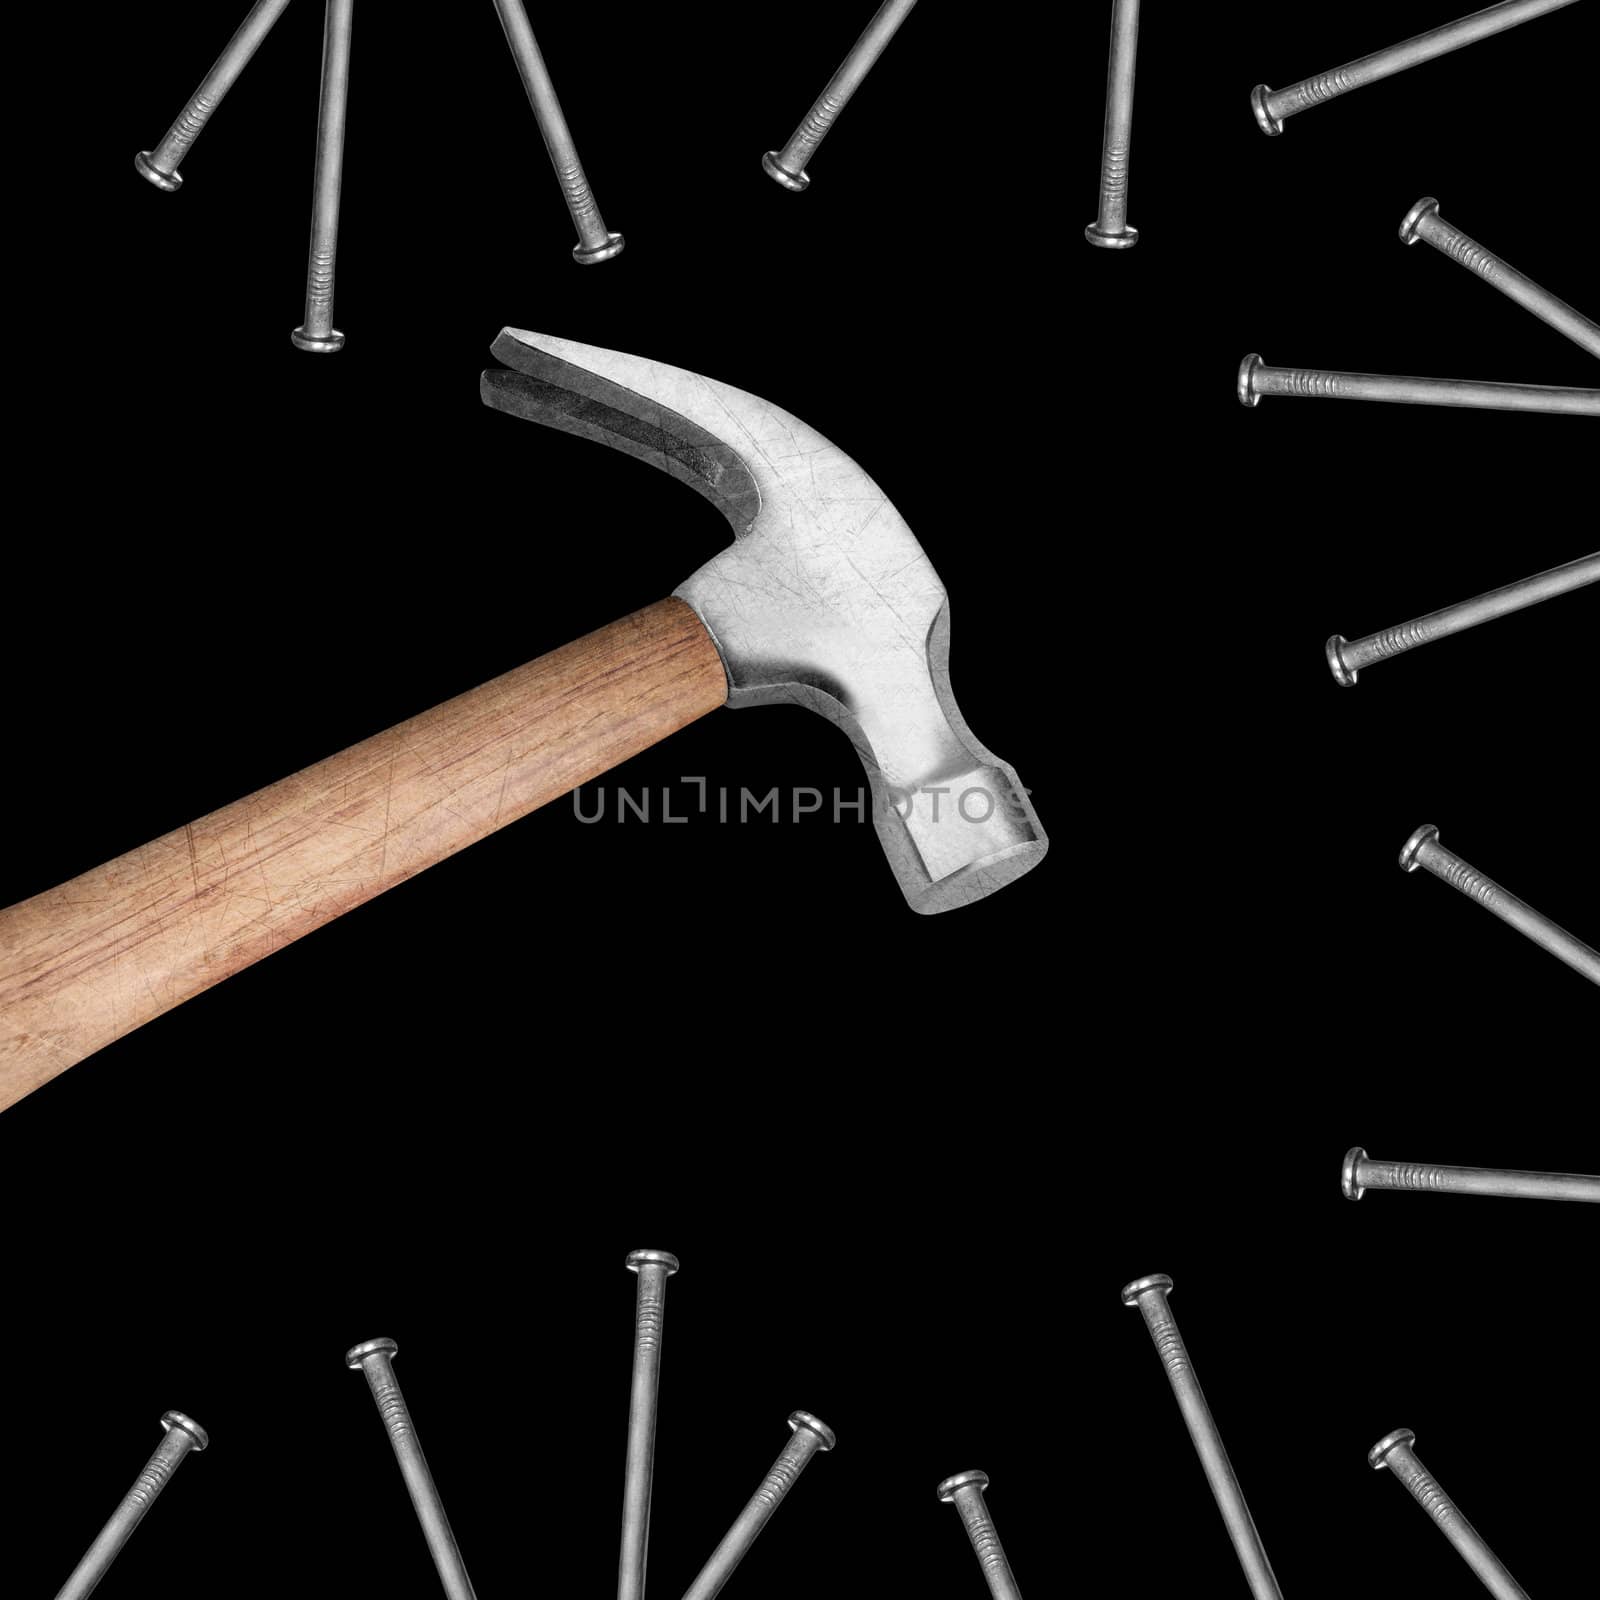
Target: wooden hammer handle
{"x": 87, "y": 962}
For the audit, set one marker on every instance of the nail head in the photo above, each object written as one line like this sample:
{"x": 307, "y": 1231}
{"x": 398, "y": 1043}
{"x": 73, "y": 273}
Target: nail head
{"x": 176, "y": 1419}
{"x": 947, "y": 1490}
{"x": 1378, "y": 1455}
{"x": 1408, "y": 851}
{"x": 1347, "y": 1179}
{"x": 652, "y": 1258}
{"x": 1141, "y": 1286}
{"x": 804, "y": 1419}
{"x": 1408, "y": 228}
{"x": 373, "y": 1347}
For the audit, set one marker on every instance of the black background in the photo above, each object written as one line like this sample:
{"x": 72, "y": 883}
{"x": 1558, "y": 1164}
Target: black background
{"x": 907, "y": 1162}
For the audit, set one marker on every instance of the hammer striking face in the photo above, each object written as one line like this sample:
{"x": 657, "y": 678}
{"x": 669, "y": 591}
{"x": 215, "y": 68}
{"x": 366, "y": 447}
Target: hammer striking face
{"x": 824, "y": 599}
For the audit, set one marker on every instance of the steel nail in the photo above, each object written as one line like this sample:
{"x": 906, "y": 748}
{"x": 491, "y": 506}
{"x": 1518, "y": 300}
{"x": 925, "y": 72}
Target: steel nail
{"x": 654, "y": 1267}
{"x": 788, "y": 165}
{"x": 1394, "y": 1452}
{"x": 1271, "y": 106}
{"x": 1346, "y": 657}
{"x": 160, "y": 165}
{"x": 594, "y": 243}
{"x": 317, "y": 333}
{"x": 1423, "y": 222}
{"x": 1110, "y": 230}
{"x": 965, "y": 1492}
{"x": 1256, "y": 379}
{"x": 1423, "y": 849}
{"x": 1150, "y": 1296}
{"x": 1361, "y": 1173}
{"x": 810, "y": 1434}
{"x": 375, "y": 1359}
{"x": 182, "y": 1434}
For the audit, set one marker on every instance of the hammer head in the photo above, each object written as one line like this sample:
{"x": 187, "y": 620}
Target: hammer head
{"x": 824, "y": 599}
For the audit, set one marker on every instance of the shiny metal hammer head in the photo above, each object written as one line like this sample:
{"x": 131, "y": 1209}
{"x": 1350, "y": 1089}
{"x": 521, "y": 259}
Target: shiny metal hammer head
{"x": 824, "y": 599}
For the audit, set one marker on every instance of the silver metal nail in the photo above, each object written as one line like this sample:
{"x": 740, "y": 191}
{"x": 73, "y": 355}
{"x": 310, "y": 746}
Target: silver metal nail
{"x": 375, "y": 1360}
{"x": 1394, "y": 1452}
{"x": 317, "y": 333}
{"x": 1271, "y": 106}
{"x": 1346, "y": 657}
{"x": 654, "y": 1267}
{"x": 1150, "y": 1296}
{"x": 1423, "y": 849}
{"x": 788, "y": 165}
{"x": 1256, "y": 379}
{"x": 810, "y": 1434}
{"x": 1361, "y": 1173}
{"x": 965, "y": 1492}
{"x": 1110, "y": 230}
{"x": 160, "y": 165}
{"x": 594, "y": 243}
{"x": 1423, "y": 222}
{"x": 182, "y": 1434}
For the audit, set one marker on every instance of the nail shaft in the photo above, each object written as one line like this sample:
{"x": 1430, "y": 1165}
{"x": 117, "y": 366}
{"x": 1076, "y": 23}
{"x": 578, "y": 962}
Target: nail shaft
{"x": 375, "y": 1359}
{"x": 1346, "y": 657}
{"x": 810, "y": 1435}
{"x": 1423, "y": 222}
{"x": 594, "y": 243}
{"x": 1394, "y": 1452}
{"x": 1110, "y": 228}
{"x": 1273, "y": 105}
{"x": 788, "y": 165}
{"x": 1361, "y": 1173}
{"x": 965, "y": 1492}
{"x": 160, "y": 165}
{"x": 317, "y": 333}
{"x": 182, "y": 1435}
{"x": 1150, "y": 1296}
{"x": 1257, "y": 379}
{"x": 1423, "y": 849}
{"x": 654, "y": 1267}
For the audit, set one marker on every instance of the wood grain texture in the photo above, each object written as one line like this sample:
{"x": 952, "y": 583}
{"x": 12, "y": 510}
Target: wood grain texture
{"x": 85, "y": 963}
